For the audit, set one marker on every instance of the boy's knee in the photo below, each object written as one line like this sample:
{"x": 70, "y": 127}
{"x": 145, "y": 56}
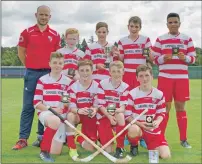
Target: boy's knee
{"x": 165, "y": 155}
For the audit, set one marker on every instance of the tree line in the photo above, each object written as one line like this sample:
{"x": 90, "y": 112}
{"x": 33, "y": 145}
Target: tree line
{"x": 9, "y": 55}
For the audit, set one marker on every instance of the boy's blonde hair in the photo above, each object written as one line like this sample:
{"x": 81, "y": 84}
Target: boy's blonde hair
{"x": 85, "y": 62}
{"x": 144, "y": 68}
{"x": 116, "y": 63}
{"x": 101, "y": 24}
{"x": 71, "y": 31}
{"x": 57, "y": 55}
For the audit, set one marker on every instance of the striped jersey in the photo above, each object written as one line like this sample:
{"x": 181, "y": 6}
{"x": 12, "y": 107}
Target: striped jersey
{"x": 49, "y": 91}
{"x": 131, "y": 51}
{"x": 154, "y": 101}
{"x": 71, "y": 58}
{"x": 82, "y": 97}
{"x": 174, "y": 68}
{"x": 108, "y": 94}
{"x": 95, "y": 52}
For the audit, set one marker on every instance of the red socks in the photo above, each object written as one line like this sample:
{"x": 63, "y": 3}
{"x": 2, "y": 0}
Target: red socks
{"x": 47, "y": 139}
{"x": 70, "y": 142}
{"x": 182, "y": 124}
{"x": 164, "y": 123}
{"x": 133, "y": 141}
{"x": 80, "y": 140}
{"x": 120, "y": 139}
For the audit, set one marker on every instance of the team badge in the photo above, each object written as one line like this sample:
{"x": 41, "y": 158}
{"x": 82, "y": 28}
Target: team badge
{"x": 63, "y": 87}
{"x": 50, "y": 38}
{"x": 21, "y": 39}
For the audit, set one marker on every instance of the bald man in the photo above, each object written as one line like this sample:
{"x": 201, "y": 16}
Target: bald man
{"x": 34, "y": 48}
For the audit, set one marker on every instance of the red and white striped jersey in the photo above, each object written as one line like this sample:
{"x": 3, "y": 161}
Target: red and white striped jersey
{"x": 154, "y": 101}
{"x": 107, "y": 94}
{"x": 71, "y": 58}
{"x": 175, "y": 68}
{"x": 49, "y": 91}
{"x": 95, "y": 52}
{"x": 131, "y": 51}
{"x": 82, "y": 97}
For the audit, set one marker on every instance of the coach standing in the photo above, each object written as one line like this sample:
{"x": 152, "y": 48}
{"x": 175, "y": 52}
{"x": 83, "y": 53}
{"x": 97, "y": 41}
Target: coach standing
{"x": 34, "y": 48}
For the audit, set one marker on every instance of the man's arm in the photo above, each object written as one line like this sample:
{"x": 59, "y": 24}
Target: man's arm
{"x": 22, "y": 54}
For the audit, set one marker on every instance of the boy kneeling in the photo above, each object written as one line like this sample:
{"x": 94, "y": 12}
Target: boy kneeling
{"x": 48, "y": 93}
{"x": 147, "y": 126}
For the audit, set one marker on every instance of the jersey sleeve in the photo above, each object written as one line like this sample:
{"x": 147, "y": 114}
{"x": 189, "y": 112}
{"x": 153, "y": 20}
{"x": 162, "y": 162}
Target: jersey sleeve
{"x": 124, "y": 97}
{"x": 157, "y": 52}
{"x": 58, "y": 42}
{"x": 73, "y": 102}
{"x": 161, "y": 107}
{"x": 101, "y": 97}
{"x": 191, "y": 54}
{"x": 38, "y": 95}
{"x": 23, "y": 39}
{"x": 130, "y": 106}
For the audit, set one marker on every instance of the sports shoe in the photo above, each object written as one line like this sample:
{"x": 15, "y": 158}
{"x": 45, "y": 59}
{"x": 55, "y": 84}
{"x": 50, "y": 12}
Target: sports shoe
{"x": 45, "y": 156}
{"x": 185, "y": 144}
{"x": 73, "y": 153}
{"x": 119, "y": 153}
{"x": 134, "y": 150}
{"x": 38, "y": 141}
{"x": 22, "y": 143}
{"x": 143, "y": 143}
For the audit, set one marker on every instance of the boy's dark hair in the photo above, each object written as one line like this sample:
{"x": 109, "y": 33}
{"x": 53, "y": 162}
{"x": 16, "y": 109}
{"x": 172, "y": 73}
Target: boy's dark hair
{"x": 143, "y": 67}
{"x": 173, "y": 15}
{"x": 135, "y": 19}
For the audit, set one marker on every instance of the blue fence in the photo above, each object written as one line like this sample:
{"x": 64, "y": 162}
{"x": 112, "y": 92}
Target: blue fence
{"x": 195, "y": 72}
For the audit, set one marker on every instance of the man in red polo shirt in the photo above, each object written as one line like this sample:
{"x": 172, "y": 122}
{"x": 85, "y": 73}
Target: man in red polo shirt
{"x": 34, "y": 48}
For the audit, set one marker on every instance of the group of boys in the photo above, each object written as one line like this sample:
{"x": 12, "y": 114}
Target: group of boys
{"x": 90, "y": 100}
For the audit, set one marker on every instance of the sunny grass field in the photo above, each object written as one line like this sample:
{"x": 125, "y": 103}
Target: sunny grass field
{"x": 11, "y": 109}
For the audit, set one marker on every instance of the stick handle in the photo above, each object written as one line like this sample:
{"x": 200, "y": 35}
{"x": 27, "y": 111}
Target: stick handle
{"x": 55, "y": 113}
{"x": 110, "y": 141}
{"x": 83, "y": 135}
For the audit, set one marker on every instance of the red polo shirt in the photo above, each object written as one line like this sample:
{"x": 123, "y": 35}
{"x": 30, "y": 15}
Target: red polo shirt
{"x": 39, "y": 46}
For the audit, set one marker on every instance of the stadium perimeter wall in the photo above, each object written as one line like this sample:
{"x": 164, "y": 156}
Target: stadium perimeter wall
{"x": 195, "y": 72}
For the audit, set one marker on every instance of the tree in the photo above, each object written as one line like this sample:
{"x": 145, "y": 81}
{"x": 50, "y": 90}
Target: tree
{"x": 83, "y": 45}
{"x": 91, "y": 40}
{"x": 63, "y": 42}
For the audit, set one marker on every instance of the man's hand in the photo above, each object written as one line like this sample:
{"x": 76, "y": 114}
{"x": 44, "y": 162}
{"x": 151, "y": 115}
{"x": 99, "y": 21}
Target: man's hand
{"x": 100, "y": 66}
{"x": 167, "y": 57}
{"x": 58, "y": 110}
{"x": 83, "y": 111}
{"x": 181, "y": 56}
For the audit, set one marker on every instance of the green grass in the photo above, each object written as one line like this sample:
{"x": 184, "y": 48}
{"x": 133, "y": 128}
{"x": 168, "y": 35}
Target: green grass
{"x": 11, "y": 109}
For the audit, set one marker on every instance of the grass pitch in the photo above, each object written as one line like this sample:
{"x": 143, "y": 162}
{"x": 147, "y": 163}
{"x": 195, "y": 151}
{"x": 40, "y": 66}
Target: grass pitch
{"x": 11, "y": 110}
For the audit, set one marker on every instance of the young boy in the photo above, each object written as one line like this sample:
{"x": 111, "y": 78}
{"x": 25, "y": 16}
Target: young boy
{"x": 113, "y": 91}
{"x": 71, "y": 53}
{"x": 48, "y": 93}
{"x": 98, "y": 54}
{"x": 83, "y": 108}
{"x": 131, "y": 51}
{"x": 146, "y": 97}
